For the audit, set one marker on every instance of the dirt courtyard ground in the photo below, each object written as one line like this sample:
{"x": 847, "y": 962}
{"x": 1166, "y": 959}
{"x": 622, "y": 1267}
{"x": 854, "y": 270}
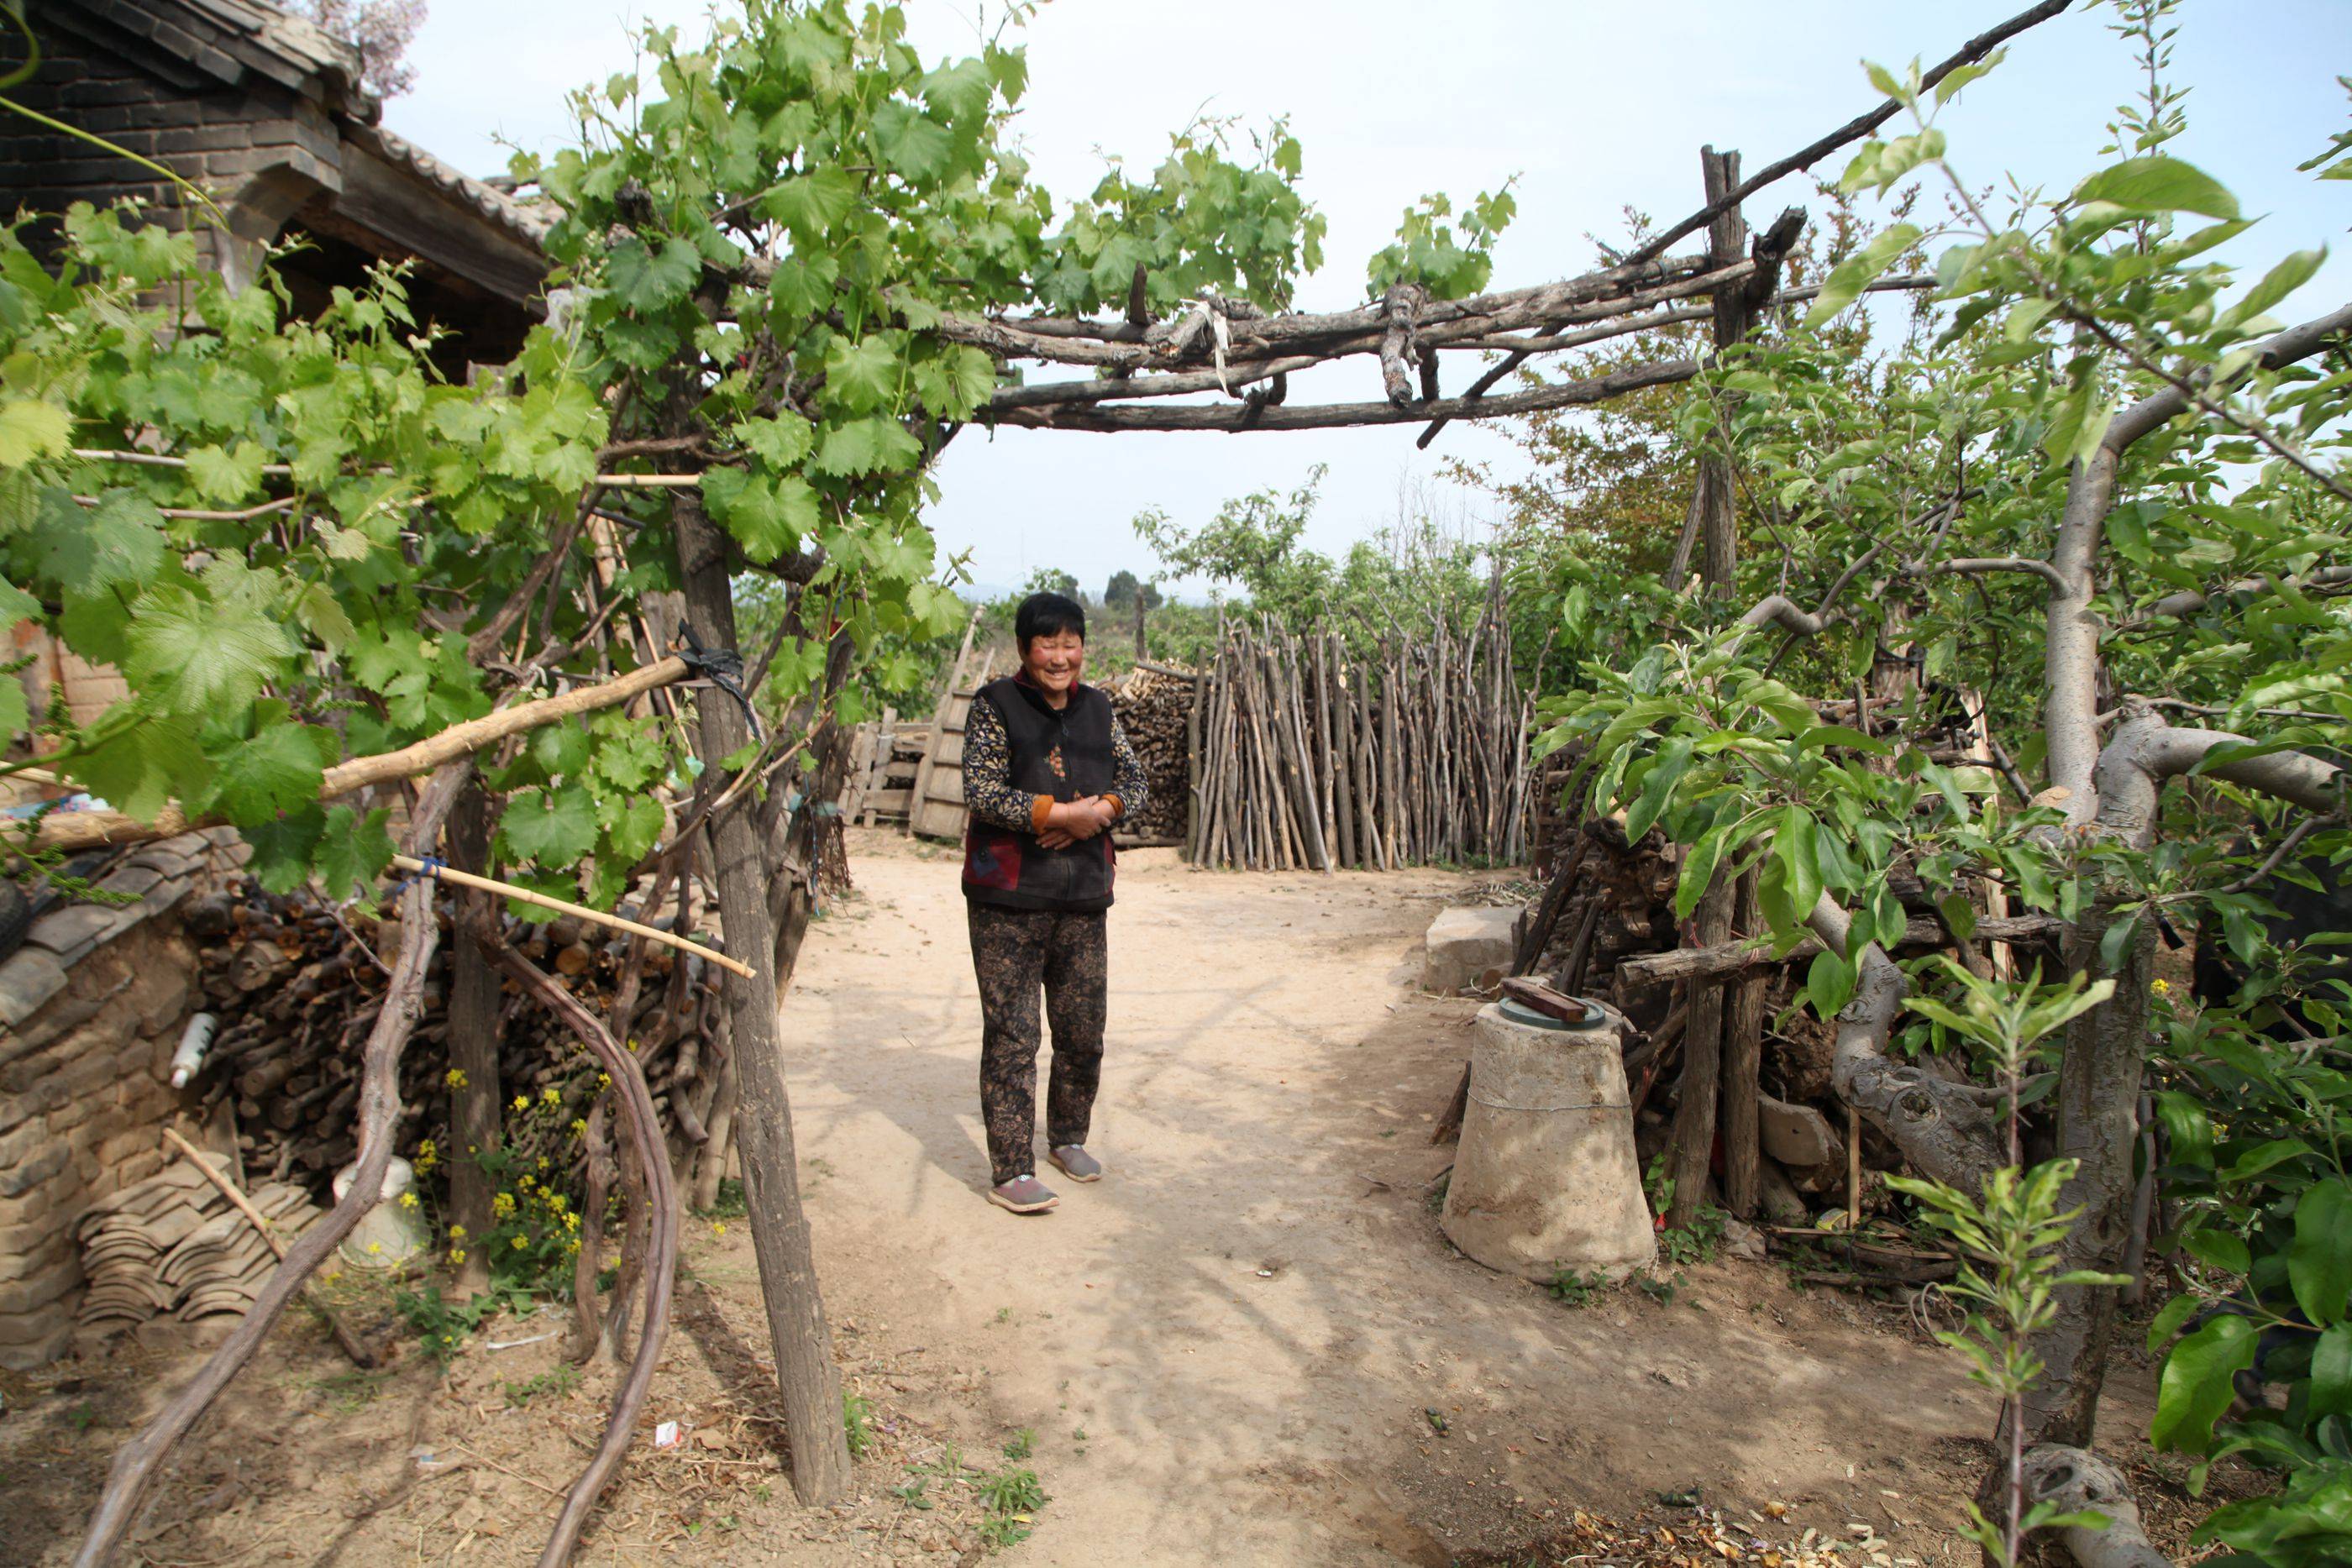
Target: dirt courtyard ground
{"x": 1241, "y": 1347}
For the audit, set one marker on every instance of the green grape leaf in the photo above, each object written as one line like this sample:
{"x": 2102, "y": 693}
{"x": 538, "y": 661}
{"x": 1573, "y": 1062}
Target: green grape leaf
{"x": 352, "y": 851}
{"x": 636, "y": 827}
{"x": 911, "y": 145}
{"x": 275, "y": 772}
{"x": 117, "y": 543}
{"x": 283, "y": 848}
{"x": 809, "y": 205}
{"x": 646, "y": 280}
{"x": 861, "y": 376}
{"x": 555, "y": 828}
{"x": 866, "y": 447}
{"x": 16, "y": 605}
{"x": 144, "y": 764}
{"x": 31, "y": 430}
{"x": 200, "y": 655}
{"x": 224, "y": 476}
{"x": 779, "y": 443}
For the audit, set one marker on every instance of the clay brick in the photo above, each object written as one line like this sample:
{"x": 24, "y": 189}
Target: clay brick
{"x": 21, "y": 1144}
{"x": 24, "y": 1295}
{"x": 133, "y": 880}
{"x": 37, "y": 1100}
{"x": 116, "y": 1148}
{"x": 16, "y": 1236}
{"x": 35, "y": 1339}
{"x": 87, "y": 1070}
{"x": 26, "y": 981}
{"x": 44, "y": 1255}
{"x": 73, "y": 1113}
{"x": 18, "y": 1179}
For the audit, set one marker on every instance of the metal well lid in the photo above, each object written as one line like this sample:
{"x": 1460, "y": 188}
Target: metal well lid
{"x": 1520, "y": 1013}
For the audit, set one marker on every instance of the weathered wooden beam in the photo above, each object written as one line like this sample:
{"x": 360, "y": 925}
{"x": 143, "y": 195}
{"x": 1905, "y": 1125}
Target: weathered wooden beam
{"x": 1319, "y": 416}
{"x": 1730, "y": 957}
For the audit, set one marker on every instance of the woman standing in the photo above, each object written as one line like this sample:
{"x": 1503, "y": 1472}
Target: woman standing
{"x": 1046, "y": 771}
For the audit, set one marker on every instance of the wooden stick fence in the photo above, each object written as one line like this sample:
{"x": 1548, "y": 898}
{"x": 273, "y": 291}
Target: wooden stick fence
{"x": 1313, "y": 754}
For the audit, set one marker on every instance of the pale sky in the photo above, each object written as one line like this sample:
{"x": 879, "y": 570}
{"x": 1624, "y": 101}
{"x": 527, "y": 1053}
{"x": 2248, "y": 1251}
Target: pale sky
{"x": 1592, "y": 106}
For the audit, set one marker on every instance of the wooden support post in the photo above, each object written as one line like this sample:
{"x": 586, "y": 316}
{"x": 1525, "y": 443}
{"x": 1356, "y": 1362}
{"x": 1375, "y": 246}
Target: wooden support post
{"x": 474, "y": 1029}
{"x": 1743, "y": 1061}
{"x": 1702, "y": 1076}
{"x": 1726, "y": 237}
{"x": 780, "y": 1229}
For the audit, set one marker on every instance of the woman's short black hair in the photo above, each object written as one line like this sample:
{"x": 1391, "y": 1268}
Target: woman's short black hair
{"x": 1048, "y": 615}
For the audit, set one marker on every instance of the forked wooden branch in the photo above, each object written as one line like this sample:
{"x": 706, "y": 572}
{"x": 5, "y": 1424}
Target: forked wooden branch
{"x": 661, "y": 1206}
{"x": 139, "y": 1461}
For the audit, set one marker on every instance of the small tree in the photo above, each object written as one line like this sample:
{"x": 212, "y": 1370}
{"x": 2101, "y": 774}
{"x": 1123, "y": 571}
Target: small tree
{"x": 380, "y": 30}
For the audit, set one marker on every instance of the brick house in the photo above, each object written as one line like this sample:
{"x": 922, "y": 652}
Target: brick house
{"x": 266, "y": 111}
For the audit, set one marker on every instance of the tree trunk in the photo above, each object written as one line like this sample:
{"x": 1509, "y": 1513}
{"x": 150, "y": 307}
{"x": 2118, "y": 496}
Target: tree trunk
{"x": 474, "y": 1007}
{"x": 2098, "y": 1103}
{"x": 780, "y": 1232}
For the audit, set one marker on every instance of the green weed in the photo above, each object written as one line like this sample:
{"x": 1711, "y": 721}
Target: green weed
{"x": 1574, "y": 1290}
{"x": 558, "y": 1380}
{"x": 857, "y": 1423}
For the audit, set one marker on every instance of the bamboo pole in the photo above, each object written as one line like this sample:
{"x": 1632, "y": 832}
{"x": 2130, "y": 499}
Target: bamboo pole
{"x": 597, "y": 917}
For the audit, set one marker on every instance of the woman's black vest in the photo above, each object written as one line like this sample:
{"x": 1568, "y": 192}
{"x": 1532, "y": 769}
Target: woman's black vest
{"x": 1063, "y": 753}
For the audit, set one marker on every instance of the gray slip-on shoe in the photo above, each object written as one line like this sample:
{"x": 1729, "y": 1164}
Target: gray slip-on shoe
{"x": 1074, "y": 1162}
{"x": 1022, "y": 1195}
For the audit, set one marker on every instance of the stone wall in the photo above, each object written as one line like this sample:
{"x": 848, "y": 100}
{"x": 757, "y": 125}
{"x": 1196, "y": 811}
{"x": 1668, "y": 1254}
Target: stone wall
{"x": 91, "y": 1008}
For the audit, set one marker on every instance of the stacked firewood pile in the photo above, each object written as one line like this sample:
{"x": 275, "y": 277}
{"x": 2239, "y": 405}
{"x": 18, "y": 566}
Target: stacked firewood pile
{"x": 173, "y": 1246}
{"x": 1404, "y": 752}
{"x": 1606, "y": 928}
{"x": 296, "y": 986}
{"x": 1155, "y": 708}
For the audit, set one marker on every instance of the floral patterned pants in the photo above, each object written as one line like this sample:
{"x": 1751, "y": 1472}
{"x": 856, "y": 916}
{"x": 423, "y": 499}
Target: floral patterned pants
{"x": 1017, "y": 953}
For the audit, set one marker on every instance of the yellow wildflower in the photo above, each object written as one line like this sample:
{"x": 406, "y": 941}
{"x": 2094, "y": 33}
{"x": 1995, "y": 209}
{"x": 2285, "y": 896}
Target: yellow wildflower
{"x": 551, "y": 1096}
{"x": 2164, "y": 987}
{"x": 718, "y": 1228}
{"x": 502, "y": 1205}
{"x": 427, "y": 1155}
{"x": 520, "y": 1243}
{"x": 604, "y": 1081}
{"x": 570, "y": 1222}
{"x": 408, "y": 1200}
{"x": 578, "y": 1127}
{"x": 456, "y": 1233}
{"x": 558, "y": 1202}
{"x": 524, "y": 1181}
{"x": 454, "y": 1078}
{"x": 522, "y": 1103}
{"x": 456, "y": 1254}
{"x": 374, "y": 1247}
{"x": 542, "y": 1161}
